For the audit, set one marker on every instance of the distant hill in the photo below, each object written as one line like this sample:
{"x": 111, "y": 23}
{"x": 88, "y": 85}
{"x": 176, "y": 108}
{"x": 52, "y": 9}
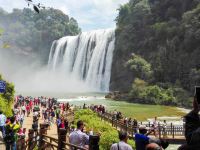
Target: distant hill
{"x": 30, "y": 34}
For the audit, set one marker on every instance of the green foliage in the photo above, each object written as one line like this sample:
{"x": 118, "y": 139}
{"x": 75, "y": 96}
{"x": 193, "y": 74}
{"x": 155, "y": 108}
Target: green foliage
{"x": 29, "y": 32}
{"x": 162, "y": 94}
{"x": 108, "y": 134}
{"x": 10, "y": 91}
{"x": 6, "y": 106}
{"x": 152, "y": 94}
{"x": 7, "y": 98}
{"x": 141, "y": 68}
{"x": 166, "y": 34}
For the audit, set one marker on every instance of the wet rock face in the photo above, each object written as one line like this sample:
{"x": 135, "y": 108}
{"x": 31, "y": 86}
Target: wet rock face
{"x": 121, "y": 76}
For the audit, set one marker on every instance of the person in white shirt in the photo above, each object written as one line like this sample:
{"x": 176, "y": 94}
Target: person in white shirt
{"x": 155, "y": 126}
{"x": 2, "y": 123}
{"x": 21, "y": 119}
{"x": 23, "y": 109}
{"x": 122, "y": 145}
{"x": 79, "y": 138}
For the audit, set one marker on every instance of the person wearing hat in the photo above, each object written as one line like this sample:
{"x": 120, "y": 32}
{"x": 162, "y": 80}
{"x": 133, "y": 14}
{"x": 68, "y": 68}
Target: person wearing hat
{"x": 122, "y": 145}
{"x": 141, "y": 138}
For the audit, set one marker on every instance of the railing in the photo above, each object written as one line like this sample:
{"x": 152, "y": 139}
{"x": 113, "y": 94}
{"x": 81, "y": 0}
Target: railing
{"x": 43, "y": 141}
{"x": 171, "y": 130}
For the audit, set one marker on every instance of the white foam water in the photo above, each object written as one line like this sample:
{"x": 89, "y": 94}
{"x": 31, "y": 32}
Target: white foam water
{"x": 86, "y": 58}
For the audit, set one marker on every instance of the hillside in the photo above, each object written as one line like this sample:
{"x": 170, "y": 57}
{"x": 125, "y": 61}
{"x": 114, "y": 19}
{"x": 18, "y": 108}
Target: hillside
{"x": 30, "y": 35}
{"x": 166, "y": 34}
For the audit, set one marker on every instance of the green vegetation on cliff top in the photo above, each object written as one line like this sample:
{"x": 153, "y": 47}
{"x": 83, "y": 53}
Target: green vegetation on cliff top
{"x": 165, "y": 34}
{"x": 30, "y": 34}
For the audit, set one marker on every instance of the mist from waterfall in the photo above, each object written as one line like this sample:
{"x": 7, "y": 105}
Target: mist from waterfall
{"x": 84, "y": 60}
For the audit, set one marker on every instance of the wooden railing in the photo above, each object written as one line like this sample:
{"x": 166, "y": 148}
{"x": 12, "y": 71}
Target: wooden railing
{"x": 43, "y": 141}
{"x": 172, "y": 130}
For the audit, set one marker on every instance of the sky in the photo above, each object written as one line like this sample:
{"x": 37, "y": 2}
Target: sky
{"x": 90, "y": 14}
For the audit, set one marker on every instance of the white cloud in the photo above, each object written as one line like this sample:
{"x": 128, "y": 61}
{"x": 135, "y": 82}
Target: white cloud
{"x": 90, "y": 14}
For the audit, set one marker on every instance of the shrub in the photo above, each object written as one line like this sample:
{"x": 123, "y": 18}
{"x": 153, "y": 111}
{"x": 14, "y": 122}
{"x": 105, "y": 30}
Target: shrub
{"x": 6, "y": 99}
{"x": 109, "y": 135}
{"x": 152, "y": 94}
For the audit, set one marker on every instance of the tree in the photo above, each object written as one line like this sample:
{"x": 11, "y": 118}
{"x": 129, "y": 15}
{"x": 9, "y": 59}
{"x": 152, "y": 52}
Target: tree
{"x": 140, "y": 67}
{"x": 32, "y": 34}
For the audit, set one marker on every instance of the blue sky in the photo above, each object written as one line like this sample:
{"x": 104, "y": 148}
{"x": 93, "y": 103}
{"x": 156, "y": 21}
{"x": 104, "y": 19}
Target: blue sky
{"x": 90, "y": 14}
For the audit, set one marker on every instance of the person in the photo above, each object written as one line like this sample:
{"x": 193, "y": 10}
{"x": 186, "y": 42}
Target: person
{"x": 57, "y": 112}
{"x": 192, "y": 128}
{"x": 2, "y": 123}
{"x": 52, "y": 115}
{"x": 122, "y": 145}
{"x": 16, "y": 110}
{"x": 84, "y": 106}
{"x": 23, "y": 108}
{"x": 141, "y": 138}
{"x": 79, "y": 138}
{"x": 62, "y": 124}
{"x": 35, "y": 125}
{"x": 153, "y": 146}
{"x": 11, "y": 134}
{"x": 164, "y": 129}
{"x": 21, "y": 119}
{"x": 28, "y": 110}
{"x": 155, "y": 126}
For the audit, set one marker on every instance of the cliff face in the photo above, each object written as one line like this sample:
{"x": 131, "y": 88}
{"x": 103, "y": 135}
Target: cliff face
{"x": 121, "y": 77}
{"x": 166, "y": 34}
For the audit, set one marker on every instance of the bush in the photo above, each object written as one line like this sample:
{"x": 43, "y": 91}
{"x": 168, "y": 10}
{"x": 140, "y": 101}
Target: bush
{"x": 6, "y": 99}
{"x": 108, "y": 134}
{"x": 10, "y": 91}
{"x": 5, "y": 106}
{"x": 152, "y": 94}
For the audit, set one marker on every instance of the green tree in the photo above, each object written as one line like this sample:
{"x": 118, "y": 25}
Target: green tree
{"x": 140, "y": 67}
{"x": 166, "y": 34}
{"x": 32, "y": 33}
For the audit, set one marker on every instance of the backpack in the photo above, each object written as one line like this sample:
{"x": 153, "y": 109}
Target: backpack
{"x": 10, "y": 135}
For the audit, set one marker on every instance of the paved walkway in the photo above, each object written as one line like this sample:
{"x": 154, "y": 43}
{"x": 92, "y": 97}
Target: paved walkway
{"x": 28, "y": 125}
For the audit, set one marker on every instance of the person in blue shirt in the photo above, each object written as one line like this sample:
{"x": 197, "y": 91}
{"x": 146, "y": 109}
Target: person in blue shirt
{"x": 141, "y": 138}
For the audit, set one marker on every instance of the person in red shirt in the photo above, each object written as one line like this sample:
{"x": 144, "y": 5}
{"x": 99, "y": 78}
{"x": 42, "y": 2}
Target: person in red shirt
{"x": 62, "y": 124}
{"x": 31, "y": 105}
{"x": 28, "y": 110}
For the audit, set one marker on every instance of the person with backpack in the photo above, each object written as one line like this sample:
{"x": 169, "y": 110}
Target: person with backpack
{"x": 2, "y": 123}
{"x": 11, "y": 134}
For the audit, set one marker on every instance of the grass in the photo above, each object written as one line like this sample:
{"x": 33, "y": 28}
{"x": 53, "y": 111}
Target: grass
{"x": 139, "y": 111}
{"x": 143, "y": 112}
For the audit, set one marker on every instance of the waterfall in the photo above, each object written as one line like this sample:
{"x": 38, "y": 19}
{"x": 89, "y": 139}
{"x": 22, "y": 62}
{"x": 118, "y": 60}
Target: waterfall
{"x": 86, "y": 57}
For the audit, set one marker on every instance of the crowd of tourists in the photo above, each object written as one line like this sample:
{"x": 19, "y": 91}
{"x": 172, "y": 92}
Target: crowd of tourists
{"x": 52, "y": 112}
